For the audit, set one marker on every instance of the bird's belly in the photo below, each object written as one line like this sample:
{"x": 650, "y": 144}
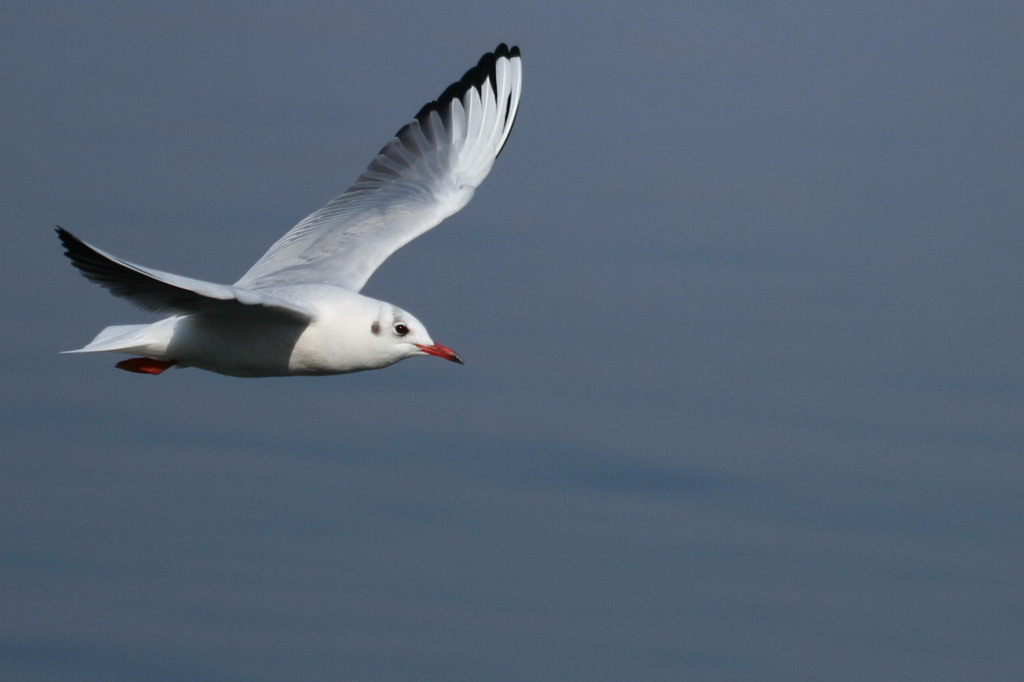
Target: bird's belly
{"x": 242, "y": 347}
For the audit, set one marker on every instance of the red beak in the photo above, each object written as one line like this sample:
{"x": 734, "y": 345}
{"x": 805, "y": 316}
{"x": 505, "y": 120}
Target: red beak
{"x": 441, "y": 352}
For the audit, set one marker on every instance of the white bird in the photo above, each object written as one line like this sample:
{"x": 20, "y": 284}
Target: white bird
{"x": 298, "y": 310}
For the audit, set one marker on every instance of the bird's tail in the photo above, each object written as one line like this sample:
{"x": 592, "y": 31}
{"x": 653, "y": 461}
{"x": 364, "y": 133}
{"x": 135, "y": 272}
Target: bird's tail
{"x": 144, "y": 339}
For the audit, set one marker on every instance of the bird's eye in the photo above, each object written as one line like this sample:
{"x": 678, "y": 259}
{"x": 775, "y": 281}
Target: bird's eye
{"x": 401, "y": 329}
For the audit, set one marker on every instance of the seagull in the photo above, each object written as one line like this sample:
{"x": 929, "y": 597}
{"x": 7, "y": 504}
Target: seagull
{"x": 298, "y": 310}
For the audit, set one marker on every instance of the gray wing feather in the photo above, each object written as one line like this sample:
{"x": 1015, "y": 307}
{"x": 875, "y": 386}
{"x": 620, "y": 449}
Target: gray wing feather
{"x": 167, "y": 293}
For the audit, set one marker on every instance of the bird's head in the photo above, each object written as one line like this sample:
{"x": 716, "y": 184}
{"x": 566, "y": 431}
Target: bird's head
{"x": 400, "y": 335}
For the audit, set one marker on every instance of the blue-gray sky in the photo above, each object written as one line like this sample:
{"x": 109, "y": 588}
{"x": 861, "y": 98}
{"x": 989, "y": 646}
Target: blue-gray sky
{"x": 740, "y": 305}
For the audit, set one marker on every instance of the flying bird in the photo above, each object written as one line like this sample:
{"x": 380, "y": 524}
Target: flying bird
{"x": 298, "y": 310}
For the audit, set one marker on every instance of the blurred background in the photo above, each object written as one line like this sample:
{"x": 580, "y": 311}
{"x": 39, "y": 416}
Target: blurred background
{"x": 739, "y": 304}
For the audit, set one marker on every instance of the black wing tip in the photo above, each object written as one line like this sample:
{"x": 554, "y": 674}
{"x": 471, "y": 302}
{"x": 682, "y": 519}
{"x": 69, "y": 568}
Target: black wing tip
{"x": 65, "y": 237}
{"x": 503, "y": 50}
{"x": 74, "y": 248}
{"x": 95, "y": 266}
{"x": 475, "y": 77}
{"x": 484, "y": 69}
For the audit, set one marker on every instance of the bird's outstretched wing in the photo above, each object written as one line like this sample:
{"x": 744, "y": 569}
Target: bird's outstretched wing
{"x": 426, "y": 173}
{"x": 166, "y": 293}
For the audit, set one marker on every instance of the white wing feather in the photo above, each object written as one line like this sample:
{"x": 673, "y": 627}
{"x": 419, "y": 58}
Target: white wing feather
{"x": 426, "y": 173}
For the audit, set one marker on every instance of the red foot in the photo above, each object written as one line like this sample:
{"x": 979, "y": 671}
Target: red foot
{"x": 145, "y": 365}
